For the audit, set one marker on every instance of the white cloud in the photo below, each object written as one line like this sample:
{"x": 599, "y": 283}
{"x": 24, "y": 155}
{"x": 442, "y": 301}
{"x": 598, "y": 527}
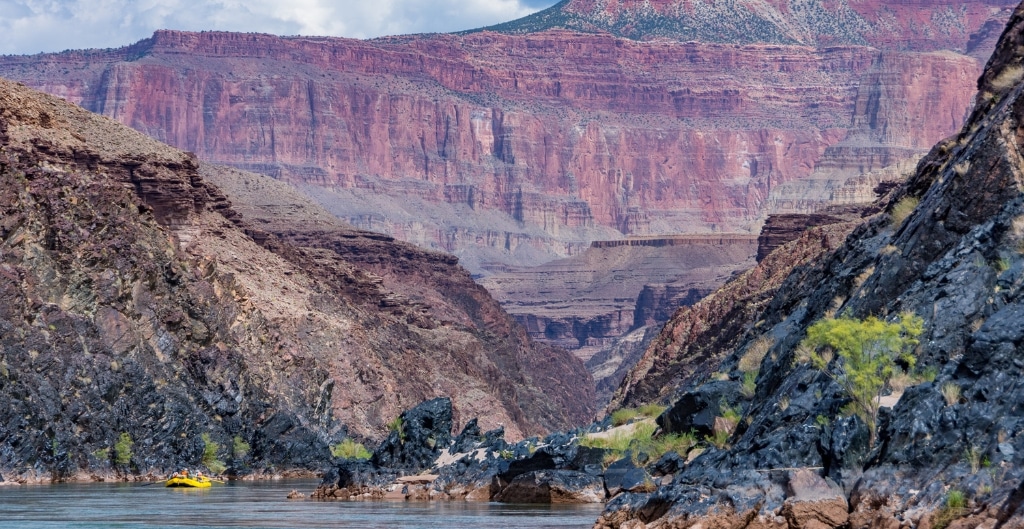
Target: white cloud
{"x": 32, "y": 26}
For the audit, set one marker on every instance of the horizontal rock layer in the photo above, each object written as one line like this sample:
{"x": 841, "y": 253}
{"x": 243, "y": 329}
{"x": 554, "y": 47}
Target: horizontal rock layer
{"x": 514, "y": 149}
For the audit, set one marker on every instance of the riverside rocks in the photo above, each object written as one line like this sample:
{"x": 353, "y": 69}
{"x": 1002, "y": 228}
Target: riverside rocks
{"x": 553, "y": 486}
{"x": 427, "y": 463}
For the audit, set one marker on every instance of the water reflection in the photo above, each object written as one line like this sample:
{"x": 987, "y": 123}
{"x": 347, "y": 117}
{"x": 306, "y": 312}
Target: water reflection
{"x": 258, "y": 505}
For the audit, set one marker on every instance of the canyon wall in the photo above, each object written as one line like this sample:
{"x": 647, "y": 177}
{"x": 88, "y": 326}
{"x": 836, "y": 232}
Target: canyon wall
{"x": 517, "y": 149}
{"x": 137, "y": 301}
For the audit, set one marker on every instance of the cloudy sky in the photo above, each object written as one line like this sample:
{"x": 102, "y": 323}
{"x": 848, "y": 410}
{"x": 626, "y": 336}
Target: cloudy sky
{"x": 32, "y": 26}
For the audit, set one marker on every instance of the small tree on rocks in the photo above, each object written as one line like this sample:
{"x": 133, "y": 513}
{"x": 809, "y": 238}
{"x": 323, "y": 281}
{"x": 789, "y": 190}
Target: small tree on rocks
{"x": 861, "y": 356}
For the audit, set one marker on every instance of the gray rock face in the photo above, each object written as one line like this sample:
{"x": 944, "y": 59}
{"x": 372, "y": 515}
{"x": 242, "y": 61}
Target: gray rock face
{"x": 956, "y": 262}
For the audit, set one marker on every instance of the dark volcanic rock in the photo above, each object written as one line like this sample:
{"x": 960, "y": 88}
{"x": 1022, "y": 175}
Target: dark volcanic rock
{"x": 553, "y": 486}
{"x": 420, "y": 435}
{"x": 696, "y": 411}
{"x": 956, "y": 262}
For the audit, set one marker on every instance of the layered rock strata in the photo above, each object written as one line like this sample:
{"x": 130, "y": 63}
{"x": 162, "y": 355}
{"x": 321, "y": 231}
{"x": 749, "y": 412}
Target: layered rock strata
{"x": 140, "y": 305}
{"x": 585, "y": 302}
{"x": 516, "y": 149}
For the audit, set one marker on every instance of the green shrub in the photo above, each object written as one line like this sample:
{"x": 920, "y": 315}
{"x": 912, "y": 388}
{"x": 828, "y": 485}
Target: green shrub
{"x": 239, "y": 448}
{"x": 973, "y": 456}
{"x": 867, "y": 354}
{"x": 398, "y": 426}
{"x": 349, "y": 449}
{"x": 210, "y": 459}
{"x": 651, "y": 410}
{"x": 628, "y": 415}
{"x": 733, "y": 415}
{"x": 719, "y": 439}
{"x": 641, "y": 439}
{"x": 928, "y": 374}
{"x": 123, "y": 449}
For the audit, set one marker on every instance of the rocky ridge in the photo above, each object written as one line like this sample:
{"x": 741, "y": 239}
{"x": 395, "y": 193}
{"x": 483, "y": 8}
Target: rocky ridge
{"x": 921, "y": 26}
{"x": 793, "y": 459}
{"x": 140, "y": 304}
{"x": 585, "y": 301}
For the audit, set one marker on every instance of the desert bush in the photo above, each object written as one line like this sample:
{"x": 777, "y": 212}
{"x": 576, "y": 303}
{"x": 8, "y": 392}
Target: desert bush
{"x": 640, "y": 438}
{"x": 651, "y": 410}
{"x": 1010, "y": 76}
{"x": 624, "y": 416}
{"x": 398, "y": 426}
{"x": 123, "y": 449}
{"x": 210, "y": 460}
{"x": 867, "y": 354}
{"x": 903, "y": 209}
{"x": 951, "y": 393}
{"x": 749, "y": 387}
{"x": 627, "y": 415}
{"x": 954, "y": 507}
{"x": 751, "y": 359}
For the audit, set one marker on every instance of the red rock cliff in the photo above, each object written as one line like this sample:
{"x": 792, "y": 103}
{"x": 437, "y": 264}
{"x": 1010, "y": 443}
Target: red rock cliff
{"x": 569, "y": 137}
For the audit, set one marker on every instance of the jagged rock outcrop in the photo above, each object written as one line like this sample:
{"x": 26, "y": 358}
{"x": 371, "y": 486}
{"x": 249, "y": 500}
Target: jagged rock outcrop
{"x": 695, "y": 340}
{"x": 421, "y": 460}
{"x": 138, "y": 301}
{"x": 947, "y": 452}
{"x": 517, "y": 149}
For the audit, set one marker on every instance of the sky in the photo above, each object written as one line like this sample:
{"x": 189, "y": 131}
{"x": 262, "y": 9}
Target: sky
{"x": 33, "y": 26}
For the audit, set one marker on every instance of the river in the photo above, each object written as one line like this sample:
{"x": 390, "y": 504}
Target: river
{"x": 258, "y": 505}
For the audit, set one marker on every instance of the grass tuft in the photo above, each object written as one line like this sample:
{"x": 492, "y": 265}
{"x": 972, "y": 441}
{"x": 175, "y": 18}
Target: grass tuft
{"x": 951, "y": 392}
{"x": 349, "y": 449}
{"x": 903, "y": 209}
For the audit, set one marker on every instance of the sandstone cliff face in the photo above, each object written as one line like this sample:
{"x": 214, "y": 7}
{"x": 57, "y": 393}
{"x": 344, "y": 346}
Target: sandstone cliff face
{"x": 137, "y": 300}
{"x": 516, "y": 149}
{"x": 956, "y": 262}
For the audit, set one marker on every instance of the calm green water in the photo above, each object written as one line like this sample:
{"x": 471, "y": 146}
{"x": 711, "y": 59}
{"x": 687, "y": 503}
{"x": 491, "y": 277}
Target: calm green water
{"x": 260, "y": 505}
